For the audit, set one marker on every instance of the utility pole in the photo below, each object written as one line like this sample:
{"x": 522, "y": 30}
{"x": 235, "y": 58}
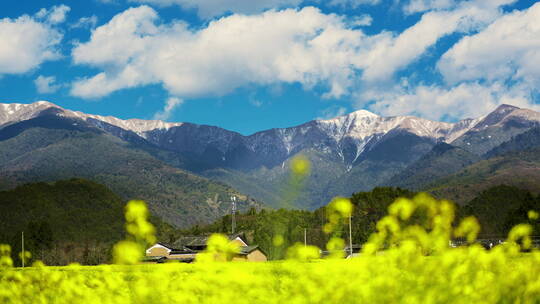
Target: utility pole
{"x": 350, "y": 236}
{"x": 233, "y": 225}
{"x": 22, "y": 254}
{"x": 305, "y": 237}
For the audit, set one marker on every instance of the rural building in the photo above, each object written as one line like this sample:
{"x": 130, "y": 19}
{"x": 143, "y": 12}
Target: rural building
{"x": 185, "y": 249}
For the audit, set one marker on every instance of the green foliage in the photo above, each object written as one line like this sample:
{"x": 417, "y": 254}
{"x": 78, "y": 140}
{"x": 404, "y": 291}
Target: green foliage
{"x": 66, "y": 221}
{"x": 287, "y": 224}
{"x": 500, "y": 208}
{"x": 497, "y": 209}
{"x": 370, "y": 207}
{"x": 40, "y": 237}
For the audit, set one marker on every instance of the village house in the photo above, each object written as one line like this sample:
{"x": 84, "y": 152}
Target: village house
{"x": 185, "y": 249}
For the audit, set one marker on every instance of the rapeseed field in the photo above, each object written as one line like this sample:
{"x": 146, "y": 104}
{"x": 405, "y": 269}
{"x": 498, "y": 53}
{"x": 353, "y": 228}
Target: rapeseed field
{"x": 409, "y": 260}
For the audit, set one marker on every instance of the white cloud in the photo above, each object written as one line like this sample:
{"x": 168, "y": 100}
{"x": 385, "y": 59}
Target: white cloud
{"x": 25, "y": 43}
{"x": 302, "y": 46}
{"x": 391, "y": 53}
{"x": 56, "y": 14}
{"x": 362, "y": 20}
{"x": 290, "y": 46}
{"x": 86, "y": 22}
{"x": 211, "y": 8}
{"x": 170, "y": 105}
{"x": 46, "y": 84}
{"x": 508, "y": 49}
{"x": 498, "y": 65}
{"x": 436, "y": 103}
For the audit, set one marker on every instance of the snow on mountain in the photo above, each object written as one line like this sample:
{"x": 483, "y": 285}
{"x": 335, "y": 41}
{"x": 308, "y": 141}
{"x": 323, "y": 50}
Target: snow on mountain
{"x": 15, "y": 112}
{"x": 357, "y": 128}
{"x": 362, "y": 124}
{"x": 138, "y": 126}
{"x": 505, "y": 113}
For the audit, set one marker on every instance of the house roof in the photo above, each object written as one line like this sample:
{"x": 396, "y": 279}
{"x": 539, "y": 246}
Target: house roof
{"x": 182, "y": 251}
{"x": 167, "y": 245}
{"x": 248, "y": 249}
{"x": 186, "y": 244}
{"x": 198, "y": 241}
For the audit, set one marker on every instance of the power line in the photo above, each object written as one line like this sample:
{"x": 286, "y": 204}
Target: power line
{"x": 22, "y": 254}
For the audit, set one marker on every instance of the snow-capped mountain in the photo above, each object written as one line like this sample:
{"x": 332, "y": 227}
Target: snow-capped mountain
{"x": 358, "y": 128}
{"x": 357, "y": 131}
{"x": 356, "y": 151}
{"x": 496, "y": 128}
{"x": 15, "y": 112}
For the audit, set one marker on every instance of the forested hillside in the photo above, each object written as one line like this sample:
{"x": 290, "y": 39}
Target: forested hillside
{"x": 498, "y": 209}
{"x": 50, "y": 148}
{"x": 67, "y": 221}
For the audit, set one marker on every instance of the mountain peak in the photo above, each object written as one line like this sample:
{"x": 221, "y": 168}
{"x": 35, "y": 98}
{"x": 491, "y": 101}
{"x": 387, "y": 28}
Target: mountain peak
{"x": 505, "y": 108}
{"x": 346, "y": 117}
{"x": 45, "y": 103}
{"x": 505, "y": 112}
{"x": 362, "y": 113}
{"x": 12, "y": 112}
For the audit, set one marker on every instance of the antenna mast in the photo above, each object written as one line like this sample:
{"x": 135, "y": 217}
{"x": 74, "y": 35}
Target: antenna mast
{"x": 233, "y": 200}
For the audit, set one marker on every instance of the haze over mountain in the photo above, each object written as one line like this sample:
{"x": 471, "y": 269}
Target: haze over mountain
{"x": 349, "y": 153}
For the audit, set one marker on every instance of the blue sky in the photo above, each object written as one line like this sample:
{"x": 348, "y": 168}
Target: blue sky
{"x": 252, "y": 65}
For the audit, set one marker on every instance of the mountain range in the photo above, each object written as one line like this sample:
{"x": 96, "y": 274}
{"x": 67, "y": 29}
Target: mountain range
{"x": 179, "y": 167}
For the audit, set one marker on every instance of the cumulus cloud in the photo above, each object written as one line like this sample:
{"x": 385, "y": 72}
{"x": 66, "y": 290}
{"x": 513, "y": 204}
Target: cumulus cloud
{"x": 302, "y": 46}
{"x": 499, "y": 64}
{"x": 437, "y": 103}
{"x": 46, "y": 84}
{"x": 211, "y": 8}
{"x": 508, "y": 49}
{"x": 392, "y": 52}
{"x": 170, "y": 105}
{"x": 56, "y": 14}
{"x": 25, "y": 43}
